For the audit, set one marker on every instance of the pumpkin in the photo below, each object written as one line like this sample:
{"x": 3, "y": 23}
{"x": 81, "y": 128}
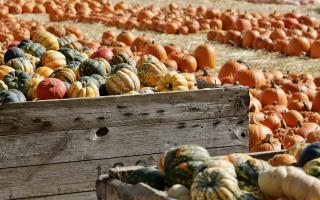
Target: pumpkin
{"x": 21, "y": 64}
{"x": 4, "y": 70}
{"x": 297, "y": 181}
{"x": 249, "y": 172}
{"x": 215, "y": 184}
{"x": 12, "y": 53}
{"x": 275, "y": 108}
{"x": 178, "y": 191}
{"x": 156, "y": 50}
{"x": 316, "y": 103}
{"x": 179, "y": 163}
{"x": 255, "y": 105}
{"x": 3, "y": 86}
{"x": 267, "y": 144}
{"x": 298, "y": 46}
{"x": 46, "y": 39}
{"x": 150, "y": 72}
{"x": 122, "y": 57}
{"x": 257, "y": 132}
{"x": 191, "y": 80}
{"x": 69, "y": 42}
{"x": 250, "y": 77}
{"x": 139, "y": 43}
{"x": 34, "y": 49}
{"x": 12, "y": 96}
{"x": 187, "y": 63}
{"x": 290, "y": 139}
{"x": 64, "y": 74}
{"x": 53, "y": 59}
{"x": 51, "y": 88}
{"x": 313, "y": 167}
{"x": 72, "y": 55}
{"x": 311, "y": 152}
{"x": 95, "y": 66}
{"x": 16, "y": 80}
{"x": 206, "y": 80}
{"x": 273, "y": 94}
{"x": 229, "y": 69}
{"x": 306, "y": 128}
{"x": 83, "y": 89}
{"x": 31, "y": 88}
{"x": 206, "y": 56}
{"x": 248, "y": 37}
{"x": 171, "y": 65}
{"x": 313, "y": 137}
{"x": 126, "y": 37}
{"x": 272, "y": 121}
{"x": 123, "y": 81}
{"x": 270, "y": 182}
{"x": 315, "y": 49}
{"x": 292, "y": 118}
{"x": 44, "y": 71}
{"x": 282, "y": 159}
{"x": 103, "y": 52}
{"x": 172, "y": 81}
{"x": 148, "y": 175}
{"x": 296, "y": 149}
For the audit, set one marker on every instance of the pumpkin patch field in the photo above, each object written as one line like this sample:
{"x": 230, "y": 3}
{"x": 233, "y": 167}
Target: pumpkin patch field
{"x": 219, "y": 99}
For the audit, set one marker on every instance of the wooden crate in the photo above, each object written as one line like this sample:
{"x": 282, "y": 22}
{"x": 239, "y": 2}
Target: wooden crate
{"x": 53, "y": 149}
{"x": 110, "y": 186}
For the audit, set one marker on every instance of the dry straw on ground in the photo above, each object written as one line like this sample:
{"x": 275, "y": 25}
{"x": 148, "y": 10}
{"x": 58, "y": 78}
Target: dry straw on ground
{"x": 258, "y": 59}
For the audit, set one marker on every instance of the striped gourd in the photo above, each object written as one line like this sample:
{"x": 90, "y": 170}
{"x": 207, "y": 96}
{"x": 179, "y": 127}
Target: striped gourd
{"x": 46, "y": 39}
{"x": 123, "y": 81}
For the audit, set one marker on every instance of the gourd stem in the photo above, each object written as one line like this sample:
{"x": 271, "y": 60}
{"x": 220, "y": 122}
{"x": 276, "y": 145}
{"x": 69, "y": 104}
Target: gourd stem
{"x": 283, "y": 124}
{"x": 299, "y": 124}
{"x": 272, "y": 84}
{"x": 267, "y": 139}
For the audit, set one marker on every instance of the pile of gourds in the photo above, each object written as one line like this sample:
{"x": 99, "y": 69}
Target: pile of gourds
{"x": 48, "y": 67}
{"x": 284, "y": 108}
{"x": 188, "y": 172}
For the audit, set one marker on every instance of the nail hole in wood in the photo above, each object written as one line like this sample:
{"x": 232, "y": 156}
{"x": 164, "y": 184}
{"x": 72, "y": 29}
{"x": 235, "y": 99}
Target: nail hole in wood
{"x": 144, "y": 114}
{"x": 160, "y": 111}
{"x": 127, "y": 114}
{"x": 37, "y": 120}
{"x": 77, "y": 119}
{"x": 121, "y": 107}
{"x": 101, "y": 118}
{"x": 243, "y": 135}
{"x": 102, "y": 132}
{"x": 181, "y": 127}
{"x": 46, "y": 124}
{"x": 196, "y": 125}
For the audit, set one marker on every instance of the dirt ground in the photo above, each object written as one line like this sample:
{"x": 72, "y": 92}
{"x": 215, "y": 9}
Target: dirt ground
{"x": 257, "y": 59}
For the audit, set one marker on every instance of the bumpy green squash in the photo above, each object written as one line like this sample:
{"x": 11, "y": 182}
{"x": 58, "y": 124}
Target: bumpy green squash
{"x": 122, "y": 57}
{"x": 215, "y": 184}
{"x": 248, "y": 173}
{"x": 101, "y": 84}
{"x": 148, "y": 175}
{"x": 12, "y": 53}
{"x": 12, "y": 96}
{"x": 21, "y": 64}
{"x": 313, "y": 167}
{"x": 309, "y": 153}
{"x": 218, "y": 164}
{"x": 16, "y": 80}
{"x": 179, "y": 163}
{"x": 95, "y": 66}
{"x": 34, "y": 49}
{"x": 24, "y": 42}
{"x": 74, "y": 65}
{"x": 116, "y": 68}
{"x": 69, "y": 42}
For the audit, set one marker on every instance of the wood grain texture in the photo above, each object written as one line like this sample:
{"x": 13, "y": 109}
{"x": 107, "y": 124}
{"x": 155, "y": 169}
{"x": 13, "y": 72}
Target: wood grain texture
{"x": 111, "y": 111}
{"x": 72, "y": 177}
{"x": 66, "y": 146}
{"x": 74, "y": 196}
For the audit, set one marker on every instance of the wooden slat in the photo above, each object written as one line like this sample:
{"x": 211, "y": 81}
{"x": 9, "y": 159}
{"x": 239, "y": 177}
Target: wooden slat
{"x": 74, "y": 196}
{"x": 110, "y": 111}
{"x": 66, "y": 146}
{"x": 41, "y": 180}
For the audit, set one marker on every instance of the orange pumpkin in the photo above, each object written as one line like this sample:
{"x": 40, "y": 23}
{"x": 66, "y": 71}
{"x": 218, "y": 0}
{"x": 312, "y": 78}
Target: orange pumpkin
{"x": 156, "y": 50}
{"x": 230, "y": 69}
{"x": 298, "y": 46}
{"x": 282, "y": 160}
{"x": 273, "y": 94}
{"x": 315, "y": 49}
{"x": 257, "y": 132}
{"x": 272, "y": 121}
{"x": 313, "y": 137}
{"x": 316, "y": 103}
{"x": 187, "y": 63}
{"x": 206, "y": 56}
{"x": 291, "y": 139}
{"x": 250, "y": 77}
{"x": 126, "y": 37}
{"x": 267, "y": 144}
{"x": 292, "y": 118}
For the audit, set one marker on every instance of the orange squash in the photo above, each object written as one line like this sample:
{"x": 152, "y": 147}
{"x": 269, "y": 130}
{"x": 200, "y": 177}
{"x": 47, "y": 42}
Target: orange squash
{"x": 206, "y": 56}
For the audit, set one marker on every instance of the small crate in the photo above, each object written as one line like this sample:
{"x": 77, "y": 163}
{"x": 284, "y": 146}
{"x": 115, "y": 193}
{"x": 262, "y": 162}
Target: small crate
{"x": 54, "y": 148}
{"x": 110, "y": 186}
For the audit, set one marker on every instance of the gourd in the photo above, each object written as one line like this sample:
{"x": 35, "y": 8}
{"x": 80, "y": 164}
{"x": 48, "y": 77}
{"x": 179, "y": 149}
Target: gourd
{"x": 215, "y": 184}
{"x": 95, "y": 66}
{"x": 71, "y": 55}
{"x": 34, "y": 49}
{"x": 51, "y": 88}
{"x": 132, "y": 68}
{"x": 16, "y": 80}
{"x": 313, "y": 167}
{"x": 44, "y": 71}
{"x": 46, "y": 39}
{"x": 179, "y": 192}
{"x": 64, "y": 74}
{"x": 4, "y": 70}
{"x": 150, "y": 71}
{"x": 12, "y": 53}
{"x": 191, "y": 80}
{"x": 21, "y": 64}
{"x": 172, "y": 81}
{"x": 69, "y": 42}
{"x": 179, "y": 163}
{"x": 296, "y": 149}
{"x": 3, "y": 86}
{"x": 31, "y": 88}
{"x": 122, "y": 57}
{"x": 297, "y": 185}
{"x": 282, "y": 159}
{"x": 218, "y": 164}
{"x": 148, "y": 175}
{"x": 12, "y": 96}
{"x": 206, "y": 80}
{"x": 83, "y": 89}
{"x": 309, "y": 153}
{"x": 74, "y": 65}
{"x": 123, "y": 81}
{"x": 53, "y": 59}
{"x": 270, "y": 181}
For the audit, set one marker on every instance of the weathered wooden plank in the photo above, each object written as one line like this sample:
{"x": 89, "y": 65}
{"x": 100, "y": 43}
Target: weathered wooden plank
{"x": 66, "y": 146}
{"x": 42, "y": 180}
{"x": 77, "y": 114}
{"x": 74, "y": 196}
